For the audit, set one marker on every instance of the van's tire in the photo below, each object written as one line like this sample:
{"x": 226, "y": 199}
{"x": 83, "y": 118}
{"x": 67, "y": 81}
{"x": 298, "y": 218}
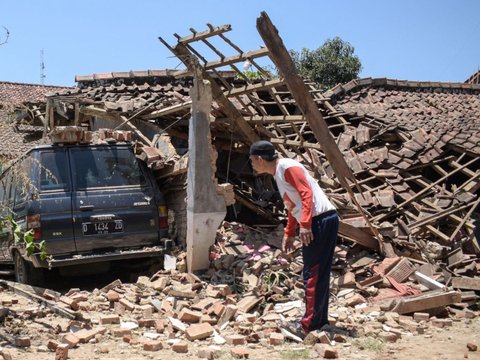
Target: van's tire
{"x": 25, "y": 272}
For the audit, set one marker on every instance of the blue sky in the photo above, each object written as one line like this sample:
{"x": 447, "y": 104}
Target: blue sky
{"x": 429, "y": 40}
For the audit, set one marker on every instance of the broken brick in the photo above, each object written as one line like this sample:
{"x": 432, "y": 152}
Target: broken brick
{"x": 471, "y": 347}
{"x": 109, "y": 319}
{"x": 227, "y": 315}
{"x": 189, "y": 316}
{"x": 442, "y": 322}
{"x": 153, "y": 345}
{"x": 71, "y": 340}
{"x": 113, "y": 296}
{"x": 419, "y": 316}
{"x": 180, "y": 347}
{"x": 70, "y": 302}
{"x": 22, "y": 341}
{"x": 127, "y": 304}
{"x": 52, "y": 344}
{"x": 199, "y": 331}
{"x": 236, "y": 339}
{"x": 159, "y": 325}
{"x": 208, "y": 353}
{"x": 217, "y": 309}
{"x": 6, "y": 355}
{"x": 276, "y": 339}
{"x": 147, "y": 323}
{"x": 61, "y": 352}
{"x": 326, "y": 351}
{"x": 203, "y": 304}
{"x": 240, "y": 353}
{"x": 85, "y": 335}
{"x": 118, "y": 308}
{"x": 119, "y": 332}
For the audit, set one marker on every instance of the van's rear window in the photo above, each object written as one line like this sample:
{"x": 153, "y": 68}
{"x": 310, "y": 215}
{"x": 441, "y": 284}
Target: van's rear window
{"x": 103, "y": 167}
{"x": 53, "y": 171}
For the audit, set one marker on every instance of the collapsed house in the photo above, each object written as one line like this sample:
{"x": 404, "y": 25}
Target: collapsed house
{"x": 410, "y": 182}
{"x": 406, "y": 183}
{"x": 412, "y": 147}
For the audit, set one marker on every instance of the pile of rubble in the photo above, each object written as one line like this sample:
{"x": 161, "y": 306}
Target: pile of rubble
{"x": 238, "y": 303}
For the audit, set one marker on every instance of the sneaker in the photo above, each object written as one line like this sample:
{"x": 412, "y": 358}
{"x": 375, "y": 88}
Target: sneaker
{"x": 293, "y": 327}
{"x": 332, "y": 330}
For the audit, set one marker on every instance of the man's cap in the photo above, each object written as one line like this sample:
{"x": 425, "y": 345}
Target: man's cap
{"x": 263, "y": 148}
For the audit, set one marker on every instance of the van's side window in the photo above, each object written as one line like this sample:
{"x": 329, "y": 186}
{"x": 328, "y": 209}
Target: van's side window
{"x": 53, "y": 171}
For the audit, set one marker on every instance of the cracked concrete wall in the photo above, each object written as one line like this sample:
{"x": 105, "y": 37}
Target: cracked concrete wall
{"x": 205, "y": 207}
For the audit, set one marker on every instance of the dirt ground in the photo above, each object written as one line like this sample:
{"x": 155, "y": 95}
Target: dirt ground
{"x": 436, "y": 343}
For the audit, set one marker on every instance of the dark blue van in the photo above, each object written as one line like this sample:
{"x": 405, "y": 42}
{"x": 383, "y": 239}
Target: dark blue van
{"x": 90, "y": 203}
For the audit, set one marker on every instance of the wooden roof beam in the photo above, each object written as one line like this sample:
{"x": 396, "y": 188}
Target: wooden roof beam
{"x": 191, "y": 62}
{"x": 283, "y": 61}
{"x": 227, "y": 61}
{"x": 212, "y": 31}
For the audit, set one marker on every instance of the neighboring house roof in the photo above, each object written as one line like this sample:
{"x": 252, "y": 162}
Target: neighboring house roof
{"x": 16, "y": 139}
{"x": 12, "y": 93}
{"x": 451, "y": 109}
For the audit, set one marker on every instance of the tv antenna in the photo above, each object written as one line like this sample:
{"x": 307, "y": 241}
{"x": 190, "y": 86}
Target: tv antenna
{"x": 42, "y": 68}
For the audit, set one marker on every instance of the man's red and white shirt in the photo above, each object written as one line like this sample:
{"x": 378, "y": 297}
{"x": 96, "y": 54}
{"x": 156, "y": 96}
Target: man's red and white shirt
{"x": 301, "y": 194}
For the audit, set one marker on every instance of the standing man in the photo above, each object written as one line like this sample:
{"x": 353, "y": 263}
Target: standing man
{"x": 307, "y": 206}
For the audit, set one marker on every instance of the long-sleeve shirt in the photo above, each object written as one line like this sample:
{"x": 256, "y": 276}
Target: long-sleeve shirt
{"x": 301, "y": 194}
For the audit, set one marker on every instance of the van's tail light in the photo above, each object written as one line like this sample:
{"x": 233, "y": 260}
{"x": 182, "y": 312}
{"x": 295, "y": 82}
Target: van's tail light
{"x": 33, "y": 223}
{"x": 162, "y": 217}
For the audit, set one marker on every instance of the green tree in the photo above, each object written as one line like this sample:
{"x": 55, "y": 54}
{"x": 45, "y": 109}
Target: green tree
{"x": 332, "y": 63}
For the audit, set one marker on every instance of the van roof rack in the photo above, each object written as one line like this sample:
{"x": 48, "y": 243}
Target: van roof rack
{"x": 79, "y": 135}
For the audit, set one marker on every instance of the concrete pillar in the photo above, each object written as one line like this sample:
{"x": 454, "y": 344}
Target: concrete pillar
{"x": 205, "y": 207}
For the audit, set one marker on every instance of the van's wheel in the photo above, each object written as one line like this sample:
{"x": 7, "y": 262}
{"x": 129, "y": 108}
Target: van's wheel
{"x": 26, "y": 273}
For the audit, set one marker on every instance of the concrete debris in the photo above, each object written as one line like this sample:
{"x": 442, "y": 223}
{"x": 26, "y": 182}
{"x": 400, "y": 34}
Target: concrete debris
{"x": 238, "y": 303}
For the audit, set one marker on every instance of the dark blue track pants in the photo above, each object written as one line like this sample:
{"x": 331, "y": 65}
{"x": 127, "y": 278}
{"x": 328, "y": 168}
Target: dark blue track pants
{"x": 317, "y": 264}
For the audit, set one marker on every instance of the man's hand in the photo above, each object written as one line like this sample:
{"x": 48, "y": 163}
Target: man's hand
{"x": 287, "y": 244}
{"x": 306, "y": 236}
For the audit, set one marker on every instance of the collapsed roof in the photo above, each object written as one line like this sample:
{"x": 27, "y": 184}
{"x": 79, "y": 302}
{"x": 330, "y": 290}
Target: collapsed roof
{"x": 411, "y": 147}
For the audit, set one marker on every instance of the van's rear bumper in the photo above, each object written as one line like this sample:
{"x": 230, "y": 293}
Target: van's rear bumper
{"x": 149, "y": 252}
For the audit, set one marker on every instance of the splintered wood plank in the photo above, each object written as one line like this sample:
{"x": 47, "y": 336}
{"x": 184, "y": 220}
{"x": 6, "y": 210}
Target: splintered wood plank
{"x": 430, "y": 228}
{"x": 168, "y": 110}
{"x": 427, "y": 189}
{"x": 466, "y": 283}
{"x": 466, "y": 217}
{"x": 248, "y": 88}
{"x": 357, "y": 235}
{"x": 426, "y": 301}
{"x": 437, "y": 216}
{"x": 296, "y": 143}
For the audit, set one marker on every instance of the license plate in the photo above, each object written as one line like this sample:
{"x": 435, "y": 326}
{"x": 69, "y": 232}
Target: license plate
{"x": 102, "y": 227}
